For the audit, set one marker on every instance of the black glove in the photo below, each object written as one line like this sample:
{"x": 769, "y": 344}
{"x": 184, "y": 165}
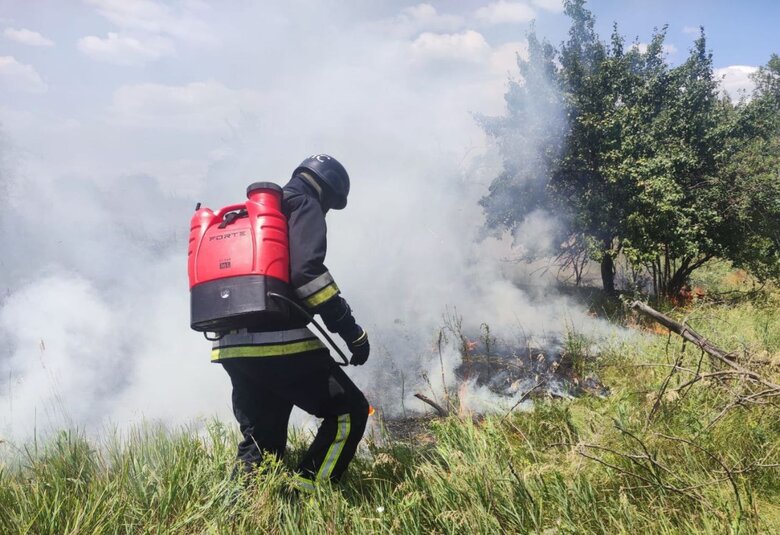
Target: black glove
{"x": 360, "y": 348}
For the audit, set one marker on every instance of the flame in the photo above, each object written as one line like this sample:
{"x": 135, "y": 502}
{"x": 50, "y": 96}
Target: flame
{"x": 371, "y": 410}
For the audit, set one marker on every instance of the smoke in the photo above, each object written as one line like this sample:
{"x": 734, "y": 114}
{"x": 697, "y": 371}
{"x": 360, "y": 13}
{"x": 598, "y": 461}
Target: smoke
{"x": 95, "y": 308}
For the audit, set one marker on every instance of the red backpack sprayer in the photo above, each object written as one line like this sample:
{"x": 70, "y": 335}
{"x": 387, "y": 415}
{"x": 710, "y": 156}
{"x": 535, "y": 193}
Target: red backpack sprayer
{"x": 239, "y": 266}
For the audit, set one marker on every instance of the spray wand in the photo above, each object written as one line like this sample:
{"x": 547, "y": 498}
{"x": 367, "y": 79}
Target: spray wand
{"x": 308, "y": 316}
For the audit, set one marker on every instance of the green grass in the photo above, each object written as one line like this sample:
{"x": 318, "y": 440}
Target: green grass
{"x": 634, "y": 462}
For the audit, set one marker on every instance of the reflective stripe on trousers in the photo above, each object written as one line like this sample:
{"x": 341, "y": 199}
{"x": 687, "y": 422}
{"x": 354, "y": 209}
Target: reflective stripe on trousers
{"x": 332, "y": 457}
{"x": 343, "y": 428}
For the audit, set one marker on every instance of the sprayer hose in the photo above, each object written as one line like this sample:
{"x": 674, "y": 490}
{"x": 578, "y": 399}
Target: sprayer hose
{"x": 309, "y": 317}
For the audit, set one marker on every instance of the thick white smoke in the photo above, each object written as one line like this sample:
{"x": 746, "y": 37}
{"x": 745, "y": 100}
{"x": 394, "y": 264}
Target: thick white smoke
{"x": 95, "y": 312}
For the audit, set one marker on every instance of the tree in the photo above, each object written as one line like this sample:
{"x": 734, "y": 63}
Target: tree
{"x": 530, "y": 138}
{"x": 651, "y": 162}
{"x": 670, "y": 216}
{"x": 748, "y": 186}
{"x": 768, "y": 84}
{"x": 579, "y": 178}
{"x": 576, "y": 178}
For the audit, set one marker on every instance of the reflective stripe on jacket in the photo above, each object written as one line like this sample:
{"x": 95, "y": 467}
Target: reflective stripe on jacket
{"x": 240, "y": 344}
{"x": 317, "y": 291}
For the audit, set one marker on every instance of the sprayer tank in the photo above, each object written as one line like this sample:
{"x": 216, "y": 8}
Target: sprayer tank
{"x": 236, "y": 256}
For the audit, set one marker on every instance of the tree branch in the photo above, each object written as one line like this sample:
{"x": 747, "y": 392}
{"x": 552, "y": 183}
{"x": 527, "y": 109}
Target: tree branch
{"x": 432, "y": 403}
{"x": 702, "y": 343}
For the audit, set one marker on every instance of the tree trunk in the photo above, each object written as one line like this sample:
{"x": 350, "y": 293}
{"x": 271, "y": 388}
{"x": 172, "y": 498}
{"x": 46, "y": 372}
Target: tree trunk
{"x": 683, "y": 273}
{"x": 608, "y": 272}
{"x": 655, "y": 278}
{"x": 678, "y": 282}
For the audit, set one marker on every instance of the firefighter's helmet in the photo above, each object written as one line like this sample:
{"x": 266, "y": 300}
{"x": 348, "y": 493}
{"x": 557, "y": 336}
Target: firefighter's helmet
{"x": 331, "y": 174}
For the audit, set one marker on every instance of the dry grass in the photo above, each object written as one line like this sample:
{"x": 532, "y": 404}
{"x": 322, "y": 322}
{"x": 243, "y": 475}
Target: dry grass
{"x": 646, "y": 459}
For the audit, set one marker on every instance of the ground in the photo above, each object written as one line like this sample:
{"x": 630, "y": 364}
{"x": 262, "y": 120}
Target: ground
{"x": 668, "y": 441}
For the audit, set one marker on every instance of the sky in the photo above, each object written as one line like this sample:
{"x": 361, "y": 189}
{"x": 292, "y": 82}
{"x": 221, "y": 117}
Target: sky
{"x": 117, "y": 116}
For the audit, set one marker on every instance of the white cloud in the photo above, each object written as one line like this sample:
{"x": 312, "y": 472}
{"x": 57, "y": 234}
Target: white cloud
{"x": 425, "y": 16}
{"x": 556, "y": 6}
{"x": 691, "y": 30}
{"x": 667, "y": 48}
{"x": 469, "y": 46}
{"x": 735, "y": 80}
{"x": 147, "y": 30}
{"x": 17, "y": 76}
{"x": 420, "y": 12}
{"x": 503, "y": 60}
{"x": 27, "y": 37}
{"x": 196, "y": 106}
{"x": 503, "y": 12}
{"x": 155, "y": 18}
{"x": 413, "y": 20}
{"x": 125, "y": 50}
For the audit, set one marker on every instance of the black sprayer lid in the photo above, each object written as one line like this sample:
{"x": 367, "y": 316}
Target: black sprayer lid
{"x": 263, "y": 185}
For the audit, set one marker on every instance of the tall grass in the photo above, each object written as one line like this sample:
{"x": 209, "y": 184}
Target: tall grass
{"x": 633, "y": 462}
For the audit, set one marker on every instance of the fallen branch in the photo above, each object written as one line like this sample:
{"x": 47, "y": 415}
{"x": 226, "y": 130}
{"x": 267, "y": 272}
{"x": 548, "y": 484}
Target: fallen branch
{"x": 523, "y": 398}
{"x": 702, "y": 343}
{"x": 432, "y": 403}
{"x": 683, "y": 330}
{"x": 664, "y": 386}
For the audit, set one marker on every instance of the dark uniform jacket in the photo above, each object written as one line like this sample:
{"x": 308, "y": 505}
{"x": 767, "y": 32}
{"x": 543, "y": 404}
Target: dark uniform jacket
{"x": 311, "y": 283}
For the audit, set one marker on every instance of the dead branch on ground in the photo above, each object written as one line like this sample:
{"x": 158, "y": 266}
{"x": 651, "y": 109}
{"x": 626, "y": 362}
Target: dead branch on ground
{"x": 523, "y": 398}
{"x": 702, "y": 343}
{"x": 746, "y": 386}
{"x": 442, "y": 412}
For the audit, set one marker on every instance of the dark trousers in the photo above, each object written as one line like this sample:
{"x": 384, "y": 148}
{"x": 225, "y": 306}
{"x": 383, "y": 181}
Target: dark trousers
{"x": 264, "y": 392}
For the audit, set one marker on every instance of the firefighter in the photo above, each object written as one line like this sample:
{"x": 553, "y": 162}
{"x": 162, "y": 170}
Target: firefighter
{"x": 273, "y": 368}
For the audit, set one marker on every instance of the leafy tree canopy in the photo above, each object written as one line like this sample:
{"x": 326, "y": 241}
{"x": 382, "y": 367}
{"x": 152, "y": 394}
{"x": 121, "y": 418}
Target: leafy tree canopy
{"x": 640, "y": 158}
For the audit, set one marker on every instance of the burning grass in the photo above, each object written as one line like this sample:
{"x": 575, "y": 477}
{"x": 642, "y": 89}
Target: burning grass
{"x": 496, "y": 376}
